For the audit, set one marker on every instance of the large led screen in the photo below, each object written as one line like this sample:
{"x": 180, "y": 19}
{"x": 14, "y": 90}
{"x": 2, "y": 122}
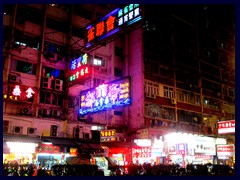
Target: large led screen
{"x": 106, "y": 96}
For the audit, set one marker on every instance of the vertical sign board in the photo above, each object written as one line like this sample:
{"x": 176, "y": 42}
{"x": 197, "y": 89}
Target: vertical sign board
{"x": 79, "y": 70}
{"x": 112, "y": 24}
{"x": 225, "y": 127}
{"x": 105, "y": 96}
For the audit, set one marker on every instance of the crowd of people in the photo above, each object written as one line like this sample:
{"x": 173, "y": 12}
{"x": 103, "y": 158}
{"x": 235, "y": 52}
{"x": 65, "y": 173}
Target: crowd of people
{"x": 172, "y": 170}
{"x": 131, "y": 170}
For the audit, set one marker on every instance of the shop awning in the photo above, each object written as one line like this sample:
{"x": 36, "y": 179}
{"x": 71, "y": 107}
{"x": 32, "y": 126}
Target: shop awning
{"x": 89, "y": 148}
{"x": 60, "y": 141}
{"x": 21, "y": 138}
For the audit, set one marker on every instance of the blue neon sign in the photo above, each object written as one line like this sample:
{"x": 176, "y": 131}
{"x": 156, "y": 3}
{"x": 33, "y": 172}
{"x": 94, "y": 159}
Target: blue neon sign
{"x": 106, "y": 96}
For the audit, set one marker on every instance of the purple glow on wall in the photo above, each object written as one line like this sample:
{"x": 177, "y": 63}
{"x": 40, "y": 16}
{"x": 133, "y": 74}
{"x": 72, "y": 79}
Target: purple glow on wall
{"x": 105, "y": 96}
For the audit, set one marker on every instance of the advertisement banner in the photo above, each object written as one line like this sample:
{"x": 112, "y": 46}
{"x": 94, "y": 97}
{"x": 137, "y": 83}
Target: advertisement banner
{"x": 225, "y": 150}
{"x": 225, "y": 127}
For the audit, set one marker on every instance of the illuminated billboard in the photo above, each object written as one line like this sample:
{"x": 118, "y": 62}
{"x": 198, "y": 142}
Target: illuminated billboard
{"x": 106, "y": 96}
{"x": 108, "y": 135}
{"x": 225, "y": 127}
{"x": 79, "y": 70}
{"x": 112, "y": 23}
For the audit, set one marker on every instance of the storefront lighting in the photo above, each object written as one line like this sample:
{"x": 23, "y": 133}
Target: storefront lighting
{"x": 94, "y": 128}
{"x": 221, "y": 141}
{"x": 47, "y": 143}
{"x": 48, "y": 154}
{"x": 19, "y": 147}
{"x": 117, "y": 155}
{"x": 143, "y": 142}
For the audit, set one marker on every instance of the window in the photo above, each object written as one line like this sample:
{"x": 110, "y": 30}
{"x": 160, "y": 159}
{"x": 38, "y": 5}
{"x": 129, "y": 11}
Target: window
{"x": 98, "y": 61}
{"x": 119, "y": 52}
{"x": 158, "y": 111}
{"x": 97, "y": 82}
{"x": 118, "y": 72}
{"x": 229, "y": 108}
{"x": 189, "y": 117}
{"x": 54, "y": 48}
{"x": 73, "y": 102}
{"x": 188, "y": 97}
{"x": 51, "y": 98}
{"x": 24, "y": 67}
{"x": 168, "y": 92}
{"x": 154, "y": 68}
{"x": 151, "y": 89}
{"x": 53, "y": 73}
{"x": 23, "y": 40}
{"x": 212, "y": 103}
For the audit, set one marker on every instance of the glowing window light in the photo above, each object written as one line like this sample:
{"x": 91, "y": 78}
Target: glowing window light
{"x": 18, "y": 147}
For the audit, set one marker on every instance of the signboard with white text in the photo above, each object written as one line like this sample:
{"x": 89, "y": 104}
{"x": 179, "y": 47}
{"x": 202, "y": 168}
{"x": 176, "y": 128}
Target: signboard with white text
{"x": 225, "y": 150}
{"x": 225, "y": 127}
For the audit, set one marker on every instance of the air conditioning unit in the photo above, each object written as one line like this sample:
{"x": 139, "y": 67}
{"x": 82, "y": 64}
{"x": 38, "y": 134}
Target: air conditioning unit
{"x": 173, "y": 101}
{"x": 47, "y": 83}
{"x": 31, "y": 131}
{"x": 26, "y": 111}
{"x": 58, "y": 84}
{"x": 17, "y": 130}
{"x": 45, "y": 112}
{"x": 14, "y": 78}
{"x": 76, "y": 132}
{"x": 53, "y": 130}
{"x": 6, "y": 125}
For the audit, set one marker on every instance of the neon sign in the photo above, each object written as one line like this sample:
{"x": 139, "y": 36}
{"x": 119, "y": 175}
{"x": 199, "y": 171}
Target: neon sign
{"x": 79, "y": 69}
{"x": 105, "y": 96}
{"x": 107, "y": 135}
{"x": 113, "y": 22}
{"x": 141, "y": 152}
{"x": 17, "y": 91}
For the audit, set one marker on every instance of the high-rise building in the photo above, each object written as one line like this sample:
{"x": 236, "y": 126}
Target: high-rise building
{"x": 172, "y": 67}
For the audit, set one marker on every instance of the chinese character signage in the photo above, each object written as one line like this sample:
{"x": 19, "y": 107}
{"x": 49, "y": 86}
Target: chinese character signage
{"x": 105, "y": 96}
{"x": 141, "y": 152}
{"x": 79, "y": 69}
{"x": 112, "y": 23}
{"x": 226, "y": 150}
{"x": 182, "y": 148}
{"x": 48, "y": 148}
{"x": 22, "y": 93}
{"x": 225, "y": 127}
{"x": 108, "y": 135}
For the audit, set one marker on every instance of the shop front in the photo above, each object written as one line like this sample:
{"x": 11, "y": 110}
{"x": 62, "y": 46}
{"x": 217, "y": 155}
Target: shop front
{"x": 19, "y": 149}
{"x": 183, "y": 149}
{"x": 20, "y": 153}
{"x": 226, "y": 154}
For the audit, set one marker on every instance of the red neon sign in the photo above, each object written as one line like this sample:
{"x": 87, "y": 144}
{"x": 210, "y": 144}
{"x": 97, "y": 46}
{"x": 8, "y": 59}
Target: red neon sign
{"x": 17, "y": 91}
{"x": 141, "y": 152}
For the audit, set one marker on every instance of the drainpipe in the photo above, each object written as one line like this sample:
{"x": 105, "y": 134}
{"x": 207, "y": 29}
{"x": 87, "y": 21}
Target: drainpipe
{"x": 39, "y": 73}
